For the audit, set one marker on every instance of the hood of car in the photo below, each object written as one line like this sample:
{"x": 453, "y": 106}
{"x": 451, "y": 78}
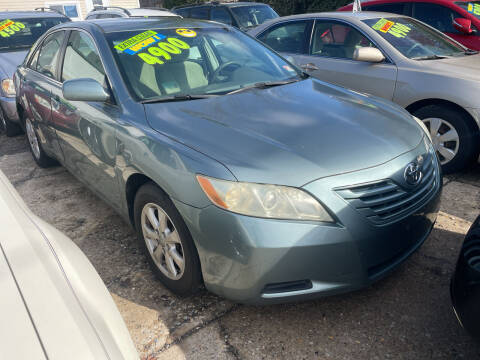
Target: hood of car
{"x": 290, "y": 134}
{"x": 9, "y": 62}
{"x": 465, "y": 67}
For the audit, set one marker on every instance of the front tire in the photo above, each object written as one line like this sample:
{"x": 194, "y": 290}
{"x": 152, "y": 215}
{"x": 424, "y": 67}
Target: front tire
{"x": 39, "y": 155}
{"x": 165, "y": 239}
{"x": 454, "y": 139}
{"x": 9, "y": 128}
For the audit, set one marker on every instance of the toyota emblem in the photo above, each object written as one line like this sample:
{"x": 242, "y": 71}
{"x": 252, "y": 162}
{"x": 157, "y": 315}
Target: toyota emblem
{"x": 413, "y": 172}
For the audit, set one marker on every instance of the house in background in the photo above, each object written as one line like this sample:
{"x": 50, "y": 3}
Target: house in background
{"x": 74, "y": 9}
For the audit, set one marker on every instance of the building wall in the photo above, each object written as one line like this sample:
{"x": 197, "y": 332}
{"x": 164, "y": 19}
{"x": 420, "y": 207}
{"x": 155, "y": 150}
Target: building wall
{"x": 83, "y": 6}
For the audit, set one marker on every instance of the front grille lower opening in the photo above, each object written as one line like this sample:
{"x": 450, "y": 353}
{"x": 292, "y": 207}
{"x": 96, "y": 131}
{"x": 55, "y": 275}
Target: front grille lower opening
{"x": 288, "y": 286}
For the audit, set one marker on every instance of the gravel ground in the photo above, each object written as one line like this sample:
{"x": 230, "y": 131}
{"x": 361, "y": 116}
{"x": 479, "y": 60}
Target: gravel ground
{"x": 405, "y": 316}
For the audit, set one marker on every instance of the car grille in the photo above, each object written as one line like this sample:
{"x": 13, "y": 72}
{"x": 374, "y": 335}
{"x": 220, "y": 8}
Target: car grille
{"x": 385, "y": 201}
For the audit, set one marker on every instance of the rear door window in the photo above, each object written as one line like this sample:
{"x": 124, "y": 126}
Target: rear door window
{"x": 221, "y": 14}
{"x": 183, "y": 12}
{"x": 200, "y": 12}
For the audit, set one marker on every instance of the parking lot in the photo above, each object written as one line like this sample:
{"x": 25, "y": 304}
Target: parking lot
{"x": 405, "y": 316}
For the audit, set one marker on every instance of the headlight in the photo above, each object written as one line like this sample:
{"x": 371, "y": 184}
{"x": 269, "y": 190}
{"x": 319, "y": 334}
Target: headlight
{"x": 261, "y": 200}
{"x": 423, "y": 126}
{"x": 8, "y": 87}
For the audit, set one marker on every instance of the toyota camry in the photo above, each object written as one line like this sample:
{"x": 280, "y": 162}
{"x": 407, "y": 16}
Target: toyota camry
{"x": 235, "y": 168}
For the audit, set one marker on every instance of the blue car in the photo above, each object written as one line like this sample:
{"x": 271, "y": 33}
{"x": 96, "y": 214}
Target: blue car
{"x": 235, "y": 168}
{"x": 18, "y": 32}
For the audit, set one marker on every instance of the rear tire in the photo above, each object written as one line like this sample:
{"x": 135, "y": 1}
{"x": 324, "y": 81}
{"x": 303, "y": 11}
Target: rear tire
{"x": 166, "y": 241}
{"x": 39, "y": 155}
{"x": 453, "y": 136}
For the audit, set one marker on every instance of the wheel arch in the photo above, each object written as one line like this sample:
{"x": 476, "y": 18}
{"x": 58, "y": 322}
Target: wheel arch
{"x": 21, "y": 112}
{"x": 134, "y": 182}
{"x": 440, "y": 102}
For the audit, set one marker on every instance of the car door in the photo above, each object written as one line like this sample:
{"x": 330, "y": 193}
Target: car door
{"x": 38, "y": 82}
{"x": 86, "y": 130}
{"x": 330, "y": 58}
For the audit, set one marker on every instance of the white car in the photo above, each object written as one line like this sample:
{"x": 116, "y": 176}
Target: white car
{"x": 53, "y": 304}
{"x": 110, "y": 12}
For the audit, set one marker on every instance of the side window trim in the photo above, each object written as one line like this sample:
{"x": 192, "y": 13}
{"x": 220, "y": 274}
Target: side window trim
{"x": 388, "y": 59}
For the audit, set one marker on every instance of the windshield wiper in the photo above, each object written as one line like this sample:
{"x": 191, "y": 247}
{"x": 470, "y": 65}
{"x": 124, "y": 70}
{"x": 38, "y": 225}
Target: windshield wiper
{"x": 429, "y": 57}
{"x": 182, "y": 97}
{"x": 263, "y": 85}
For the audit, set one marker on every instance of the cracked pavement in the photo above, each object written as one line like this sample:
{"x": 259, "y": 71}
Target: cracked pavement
{"x": 405, "y": 316}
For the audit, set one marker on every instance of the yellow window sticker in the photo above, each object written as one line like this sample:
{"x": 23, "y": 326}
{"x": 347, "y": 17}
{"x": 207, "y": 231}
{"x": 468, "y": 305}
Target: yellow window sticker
{"x": 163, "y": 51}
{"x": 139, "y": 42}
{"x": 9, "y": 27}
{"x": 186, "y": 32}
{"x": 473, "y": 8}
{"x": 390, "y": 27}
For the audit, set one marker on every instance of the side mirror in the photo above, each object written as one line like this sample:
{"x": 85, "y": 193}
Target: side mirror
{"x": 368, "y": 54}
{"x": 84, "y": 90}
{"x": 463, "y": 25}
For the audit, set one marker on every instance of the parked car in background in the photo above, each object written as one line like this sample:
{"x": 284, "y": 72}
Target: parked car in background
{"x": 235, "y": 168}
{"x": 53, "y": 303}
{"x": 109, "y": 12}
{"x": 243, "y": 15}
{"x": 18, "y": 32}
{"x": 458, "y": 19}
{"x": 397, "y": 58}
{"x": 465, "y": 286}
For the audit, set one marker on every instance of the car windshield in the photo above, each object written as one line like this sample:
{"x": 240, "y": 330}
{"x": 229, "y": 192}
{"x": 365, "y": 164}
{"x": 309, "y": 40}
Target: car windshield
{"x": 251, "y": 16}
{"x": 473, "y": 7}
{"x": 16, "y": 34}
{"x": 164, "y": 63}
{"x": 414, "y": 39}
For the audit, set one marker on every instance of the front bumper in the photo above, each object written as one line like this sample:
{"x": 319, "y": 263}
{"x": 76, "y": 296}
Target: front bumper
{"x": 253, "y": 260}
{"x": 9, "y": 108}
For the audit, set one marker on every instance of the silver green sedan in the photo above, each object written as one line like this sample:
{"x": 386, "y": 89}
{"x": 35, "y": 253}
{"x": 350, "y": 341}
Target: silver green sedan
{"x": 235, "y": 168}
{"x": 394, "y": 57}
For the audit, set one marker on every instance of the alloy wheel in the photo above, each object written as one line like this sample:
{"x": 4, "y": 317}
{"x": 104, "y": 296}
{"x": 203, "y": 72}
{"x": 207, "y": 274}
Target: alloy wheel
{"x": 163, "y": 241}
{"x": 445, "y": 138}
{"x": 32, "y": 139}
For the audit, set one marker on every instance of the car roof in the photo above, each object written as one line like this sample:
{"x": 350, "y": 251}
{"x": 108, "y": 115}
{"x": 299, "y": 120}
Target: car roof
{"x": 370, "y": 2}
{"x": 360, "y": 15}
{"x": 216, "y": 3}
{"x": 31, "y": 14}
{"x": 131, "y": 24}
{"x": 134, "y": 12}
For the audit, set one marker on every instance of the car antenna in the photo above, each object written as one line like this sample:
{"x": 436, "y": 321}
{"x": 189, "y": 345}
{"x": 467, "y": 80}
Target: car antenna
{"x": 357, "y": 6}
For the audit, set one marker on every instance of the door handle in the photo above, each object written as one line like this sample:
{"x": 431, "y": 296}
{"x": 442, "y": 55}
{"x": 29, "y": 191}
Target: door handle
{"x": 309, "y": 67}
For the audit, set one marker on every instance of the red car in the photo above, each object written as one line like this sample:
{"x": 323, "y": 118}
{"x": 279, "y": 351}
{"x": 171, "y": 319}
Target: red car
{"x": 458, "y": 19}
